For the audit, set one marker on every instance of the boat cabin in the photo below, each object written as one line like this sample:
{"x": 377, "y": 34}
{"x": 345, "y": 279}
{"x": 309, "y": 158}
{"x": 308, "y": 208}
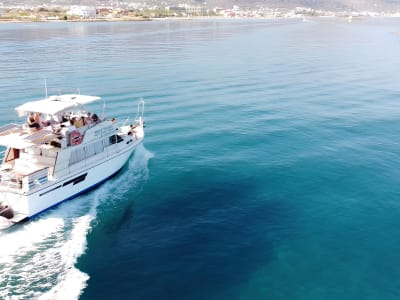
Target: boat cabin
{"x": 66, "y": 135}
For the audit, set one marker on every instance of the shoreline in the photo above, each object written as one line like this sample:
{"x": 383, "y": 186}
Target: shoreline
{"x": 142, "y": 19}
{"x": 133, "y": 19}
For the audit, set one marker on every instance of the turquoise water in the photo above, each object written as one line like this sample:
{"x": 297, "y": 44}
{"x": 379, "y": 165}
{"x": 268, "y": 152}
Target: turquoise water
{"x": 270, "y": 169}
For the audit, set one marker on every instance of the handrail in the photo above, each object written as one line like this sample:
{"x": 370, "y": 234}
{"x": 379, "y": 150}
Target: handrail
{"x": 125, "y": 122}
{"x": 140, "y": 110}
{"x": 139, "y": 114}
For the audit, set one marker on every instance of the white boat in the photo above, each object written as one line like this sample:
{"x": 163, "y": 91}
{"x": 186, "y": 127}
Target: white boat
{"x": 72, "y": 152}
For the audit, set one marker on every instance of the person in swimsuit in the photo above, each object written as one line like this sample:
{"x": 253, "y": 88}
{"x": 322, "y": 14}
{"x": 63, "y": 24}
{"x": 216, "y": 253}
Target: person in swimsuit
{"x": 32, "y": 121}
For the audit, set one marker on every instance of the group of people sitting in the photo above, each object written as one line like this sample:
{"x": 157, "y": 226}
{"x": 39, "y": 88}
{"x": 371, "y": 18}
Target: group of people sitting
{"x": 36, "y": 122}
{"x": 80, "y": 121}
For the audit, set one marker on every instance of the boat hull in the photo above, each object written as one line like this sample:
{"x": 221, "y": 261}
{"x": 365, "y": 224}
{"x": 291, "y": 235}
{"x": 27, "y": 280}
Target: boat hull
{"x": 29, "y": 206}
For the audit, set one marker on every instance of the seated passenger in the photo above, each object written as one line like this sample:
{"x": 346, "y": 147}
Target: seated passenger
{"x": 32, "y": 121}
{"x": 78, "y": 122}
{"x": 71, "y": 124}
{"x": 65, "y": 117}
{"x": 50, "y": 120}
{"x": 95, "y": 118}
{"x": 87, "y": 120}
{"x": 42, "y": 122}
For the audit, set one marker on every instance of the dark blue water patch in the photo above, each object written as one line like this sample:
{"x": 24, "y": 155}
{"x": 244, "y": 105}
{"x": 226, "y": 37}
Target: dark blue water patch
{"x": 276, "y": 154}
{"x": 199, "y": 239}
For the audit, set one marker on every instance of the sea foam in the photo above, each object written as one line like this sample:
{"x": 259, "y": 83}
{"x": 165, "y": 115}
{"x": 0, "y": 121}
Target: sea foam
{"x": 38, "y": 259}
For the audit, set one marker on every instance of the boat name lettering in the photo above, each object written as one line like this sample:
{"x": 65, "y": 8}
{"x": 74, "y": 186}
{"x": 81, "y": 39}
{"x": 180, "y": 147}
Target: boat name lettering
{"x": 104, "y": 131}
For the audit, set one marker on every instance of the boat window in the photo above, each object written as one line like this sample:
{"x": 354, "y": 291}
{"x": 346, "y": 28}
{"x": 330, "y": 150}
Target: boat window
{"x": 94, "y": 148}
{"x": 87, "y": 151}
{"x": 115, "y": 139}
{"x": 12, "y": 154}
{"x": 76, "y": 155}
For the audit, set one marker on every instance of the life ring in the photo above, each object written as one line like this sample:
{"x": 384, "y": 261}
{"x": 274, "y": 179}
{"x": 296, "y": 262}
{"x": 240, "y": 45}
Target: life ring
{"x": 76, "y": 138}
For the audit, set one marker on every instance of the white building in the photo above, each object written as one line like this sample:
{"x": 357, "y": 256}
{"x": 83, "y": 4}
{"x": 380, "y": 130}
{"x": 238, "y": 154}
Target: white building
{"x": 84, "y": 12}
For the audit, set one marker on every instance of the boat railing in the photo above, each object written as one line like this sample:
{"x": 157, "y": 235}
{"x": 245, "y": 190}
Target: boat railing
{"x": 140, "y": 111}
{"x": 138, "y": 118}
{"x": 124, "y": 122}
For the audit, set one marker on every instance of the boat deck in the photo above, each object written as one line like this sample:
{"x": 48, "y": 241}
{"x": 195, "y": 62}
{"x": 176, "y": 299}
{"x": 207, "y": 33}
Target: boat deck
{"x": 22, "y": 175}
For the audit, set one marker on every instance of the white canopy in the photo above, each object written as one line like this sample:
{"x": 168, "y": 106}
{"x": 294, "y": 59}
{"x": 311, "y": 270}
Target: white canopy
{"x": 55, "y": 104}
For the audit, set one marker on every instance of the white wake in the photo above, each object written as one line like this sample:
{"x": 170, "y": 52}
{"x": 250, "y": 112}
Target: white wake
{"x": 37, "y": 259}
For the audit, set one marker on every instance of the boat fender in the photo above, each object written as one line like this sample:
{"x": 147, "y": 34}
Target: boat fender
{"x": 76, "y": 137}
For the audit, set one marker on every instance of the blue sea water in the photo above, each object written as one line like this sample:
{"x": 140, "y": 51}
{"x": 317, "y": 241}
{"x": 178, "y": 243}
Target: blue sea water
{"x": 270, "y": 167}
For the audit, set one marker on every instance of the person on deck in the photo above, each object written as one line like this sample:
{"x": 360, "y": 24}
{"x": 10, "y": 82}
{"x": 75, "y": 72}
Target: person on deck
{"x": 88, "y": 119}
{"x": 32, "y": 121}
{"x": 71, "y": 126}
{"x": 42, "y": 122}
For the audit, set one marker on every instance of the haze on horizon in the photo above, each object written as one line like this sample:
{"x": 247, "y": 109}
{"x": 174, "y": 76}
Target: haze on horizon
{"x": 335, "y": 5}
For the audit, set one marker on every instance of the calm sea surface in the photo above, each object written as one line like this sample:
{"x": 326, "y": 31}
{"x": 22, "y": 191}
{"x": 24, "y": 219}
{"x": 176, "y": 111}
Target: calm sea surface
{"x": 270, "y": 169}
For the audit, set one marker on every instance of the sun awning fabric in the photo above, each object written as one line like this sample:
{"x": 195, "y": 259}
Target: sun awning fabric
{"x": 10, "y": 128}
{"x": 39, "y": 137}
{"x": 18, "y": 141}
{"x": 55, "y": 104}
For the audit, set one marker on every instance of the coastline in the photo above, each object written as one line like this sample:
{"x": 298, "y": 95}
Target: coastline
{"x": 133, "y": 19}
{"x": 141, "y": 19}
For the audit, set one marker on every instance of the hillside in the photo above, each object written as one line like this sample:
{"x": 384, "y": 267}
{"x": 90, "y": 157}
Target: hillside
{"x": 372, "y": 5}
{"x": 336, "y": 5}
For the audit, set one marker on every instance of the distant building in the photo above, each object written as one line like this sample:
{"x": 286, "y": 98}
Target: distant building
{"x": 196, "y": 10}
{"x": 190, "y": 9}
{"x": 175, "y": 8}
{"x": 84, "y": 12}
{"x": 104, "y": 12}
